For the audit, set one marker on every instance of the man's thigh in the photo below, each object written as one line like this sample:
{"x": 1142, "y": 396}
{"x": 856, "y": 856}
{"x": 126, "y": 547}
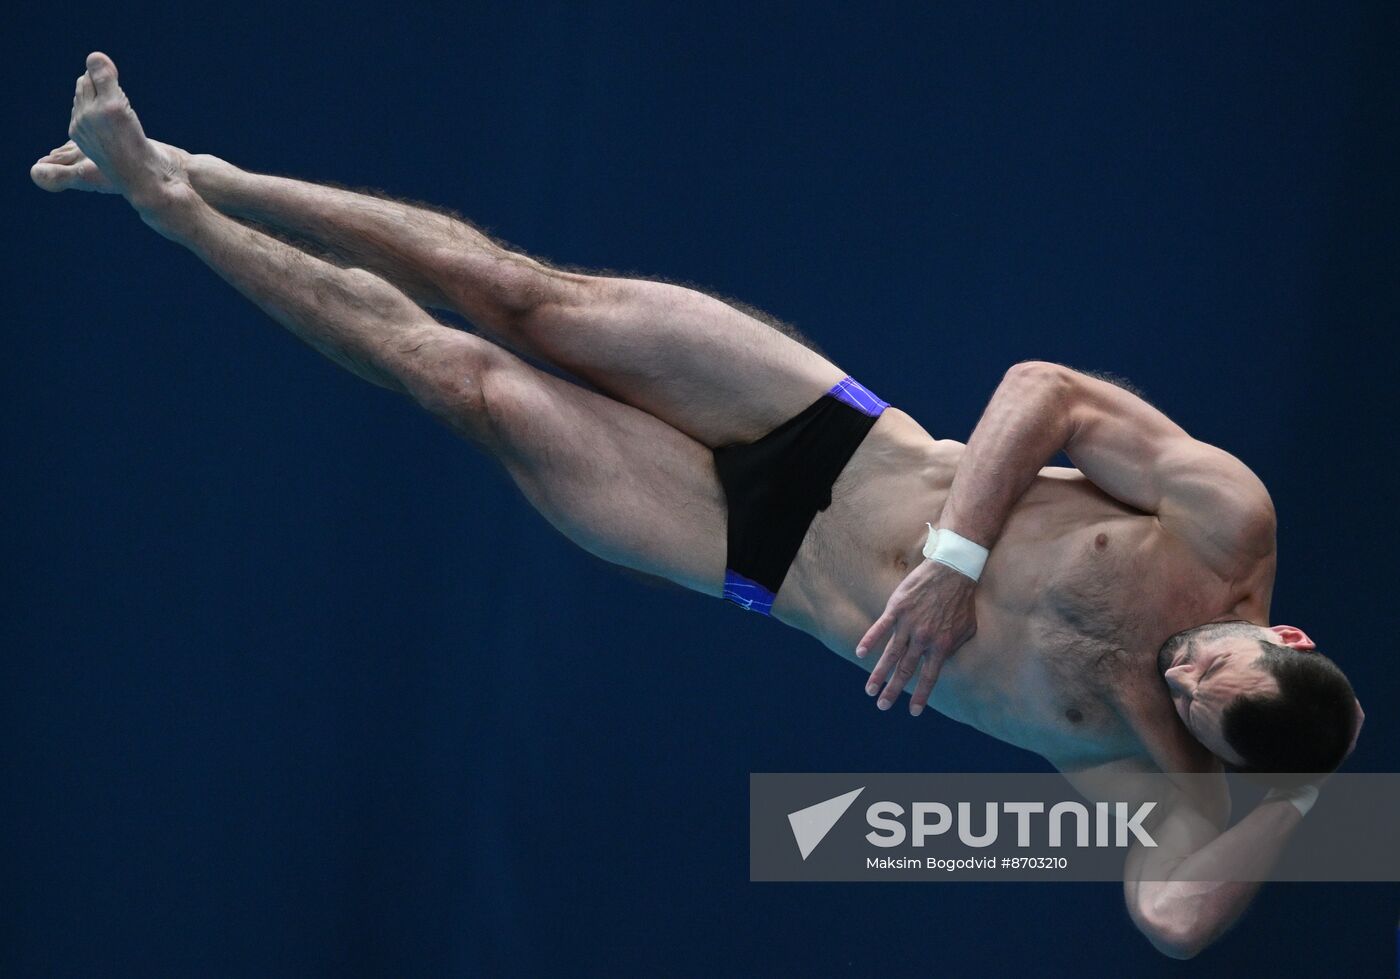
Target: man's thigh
{"x": 700, "y": 365}
{"x": 615, "y": 480}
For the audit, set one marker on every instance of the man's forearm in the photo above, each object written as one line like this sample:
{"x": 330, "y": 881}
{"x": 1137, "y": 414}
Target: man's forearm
{"x": 1210, "y": 889}
{"x": 1025, "y": 423}
{"x": 932, "y": 612}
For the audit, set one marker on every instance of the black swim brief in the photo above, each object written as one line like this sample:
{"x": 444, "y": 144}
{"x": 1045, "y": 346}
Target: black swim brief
{"x": 775, "y": 487}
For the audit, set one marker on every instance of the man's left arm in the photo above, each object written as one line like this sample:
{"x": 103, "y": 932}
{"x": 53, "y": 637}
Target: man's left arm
{"x": 1195, "y": 884}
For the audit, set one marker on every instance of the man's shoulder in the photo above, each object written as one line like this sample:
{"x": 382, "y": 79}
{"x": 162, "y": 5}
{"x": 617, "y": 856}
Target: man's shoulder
{"x": 1219, "y": 506}
{"x": 1138, "y": 779}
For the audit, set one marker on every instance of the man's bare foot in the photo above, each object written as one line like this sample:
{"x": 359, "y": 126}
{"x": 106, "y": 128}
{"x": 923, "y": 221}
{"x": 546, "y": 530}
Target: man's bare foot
{"x": 108, "y": 136}
{"x": 68, "y": 168}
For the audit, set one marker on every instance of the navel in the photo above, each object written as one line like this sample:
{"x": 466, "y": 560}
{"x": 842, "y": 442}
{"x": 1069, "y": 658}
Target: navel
{"x": 1073, "y": 715}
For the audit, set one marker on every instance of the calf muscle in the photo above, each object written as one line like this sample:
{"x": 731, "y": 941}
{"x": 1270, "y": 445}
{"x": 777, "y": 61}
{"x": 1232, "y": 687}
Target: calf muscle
{"x": 437, "y": 259}
{"x": 350, "y": 315}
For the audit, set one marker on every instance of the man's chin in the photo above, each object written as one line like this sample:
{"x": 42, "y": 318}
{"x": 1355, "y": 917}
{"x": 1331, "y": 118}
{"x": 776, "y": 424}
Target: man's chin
{"x": 1181, "y": 713}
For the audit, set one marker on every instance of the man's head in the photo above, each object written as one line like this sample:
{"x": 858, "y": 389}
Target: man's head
{"x": 1260, "y": 697}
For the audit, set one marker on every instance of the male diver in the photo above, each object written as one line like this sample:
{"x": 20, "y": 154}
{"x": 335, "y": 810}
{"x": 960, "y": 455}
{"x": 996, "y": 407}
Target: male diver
{"x": 1112, "y": 617}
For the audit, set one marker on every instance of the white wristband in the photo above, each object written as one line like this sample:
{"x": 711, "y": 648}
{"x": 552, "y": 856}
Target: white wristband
{"x": 957, "y": 552}
{"x": 1302, "y": 796}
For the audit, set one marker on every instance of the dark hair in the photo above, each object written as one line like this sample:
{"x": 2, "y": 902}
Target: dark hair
{"x": 1305, "y": 727}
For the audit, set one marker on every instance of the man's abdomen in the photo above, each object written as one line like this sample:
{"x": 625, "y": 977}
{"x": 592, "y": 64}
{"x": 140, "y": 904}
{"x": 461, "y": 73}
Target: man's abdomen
{"x": 861, "y": 546}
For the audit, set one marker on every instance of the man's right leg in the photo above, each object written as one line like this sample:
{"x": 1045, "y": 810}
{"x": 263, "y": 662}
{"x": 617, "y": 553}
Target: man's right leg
{"x": 698, "y": 363}
{"x": 615, "y": 480}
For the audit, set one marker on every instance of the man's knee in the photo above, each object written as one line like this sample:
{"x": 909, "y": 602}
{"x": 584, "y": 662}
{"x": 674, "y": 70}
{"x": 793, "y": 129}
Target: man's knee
{"x": 505, "y": 291}
{"x": 473, "y": 385}
{"x": 445, "y": 371}
{"x": 508, "y": 293}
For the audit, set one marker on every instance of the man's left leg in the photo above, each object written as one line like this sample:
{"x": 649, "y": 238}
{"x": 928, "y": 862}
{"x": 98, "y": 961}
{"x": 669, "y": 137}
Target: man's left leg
{"x": 615, "y": 480}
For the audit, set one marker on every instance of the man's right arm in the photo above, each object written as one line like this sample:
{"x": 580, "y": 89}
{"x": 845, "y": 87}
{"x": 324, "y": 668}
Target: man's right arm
{"x": 1200, "y": 492}
{"x": 930, "y": 613}
{"x": 1125, "y": 446}
{"x": 1026, "y": 422}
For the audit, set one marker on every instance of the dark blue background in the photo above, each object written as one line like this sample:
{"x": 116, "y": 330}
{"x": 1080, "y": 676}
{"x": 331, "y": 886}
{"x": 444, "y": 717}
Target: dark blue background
{"x": 296, "y": 683}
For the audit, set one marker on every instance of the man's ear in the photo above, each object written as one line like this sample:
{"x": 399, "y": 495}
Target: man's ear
{"x": 1293, "y": 637}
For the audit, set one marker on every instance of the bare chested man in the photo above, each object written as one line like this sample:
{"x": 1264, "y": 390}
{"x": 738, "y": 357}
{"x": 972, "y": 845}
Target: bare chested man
{"x": 715, "y": 450}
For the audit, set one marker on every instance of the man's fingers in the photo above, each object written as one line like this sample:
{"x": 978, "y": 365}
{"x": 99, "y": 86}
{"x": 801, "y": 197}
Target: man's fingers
{"x": 928, "y": 676}
{"x": 907, "y": 665}
{"x": 894, "y": 652}
{"x": 875, "y": 635}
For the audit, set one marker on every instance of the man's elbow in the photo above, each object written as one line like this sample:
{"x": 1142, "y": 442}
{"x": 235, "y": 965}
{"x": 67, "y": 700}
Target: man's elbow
{"x": 1038, "y": 371}
{"x": 1178, "y": 947}
{"x": 1041, "y": 382}
{"x": 1172, "y": 936}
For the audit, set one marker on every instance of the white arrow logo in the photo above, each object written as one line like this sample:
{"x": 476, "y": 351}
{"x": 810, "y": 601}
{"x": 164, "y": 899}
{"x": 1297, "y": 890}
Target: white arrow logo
{"x": 810, "y": 825}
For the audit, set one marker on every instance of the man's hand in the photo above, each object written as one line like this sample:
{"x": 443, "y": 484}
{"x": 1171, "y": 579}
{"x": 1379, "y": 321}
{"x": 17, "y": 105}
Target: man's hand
{"x": 928, "y": 616}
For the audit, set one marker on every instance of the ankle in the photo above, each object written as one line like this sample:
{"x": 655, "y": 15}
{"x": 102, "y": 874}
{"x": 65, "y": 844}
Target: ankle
{"x": 209, "y": 174}
{"x": 170, "y": 209}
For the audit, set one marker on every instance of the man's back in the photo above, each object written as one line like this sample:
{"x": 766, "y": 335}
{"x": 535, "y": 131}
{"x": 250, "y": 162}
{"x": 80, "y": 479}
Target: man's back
{"x": 1075, "y": 600}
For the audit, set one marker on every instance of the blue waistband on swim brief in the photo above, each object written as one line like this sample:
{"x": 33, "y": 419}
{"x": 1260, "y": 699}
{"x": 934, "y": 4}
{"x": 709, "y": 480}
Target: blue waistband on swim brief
{"x": 747, "y": 594}
{"x": 858, "y": 396}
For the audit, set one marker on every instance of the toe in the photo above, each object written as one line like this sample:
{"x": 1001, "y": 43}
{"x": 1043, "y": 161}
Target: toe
{"x": 103, "y": 72}
{"x": 48, "y": 176}
{"x": 78, "y": 175}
